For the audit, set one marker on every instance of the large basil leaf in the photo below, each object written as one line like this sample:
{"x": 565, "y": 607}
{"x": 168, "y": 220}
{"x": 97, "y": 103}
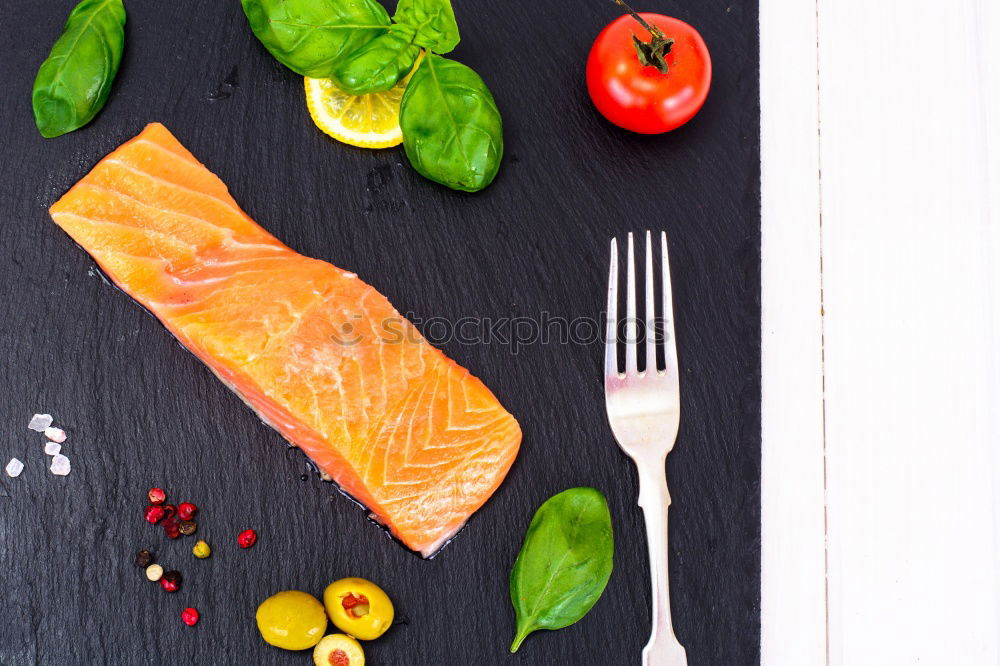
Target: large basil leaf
{"x": 73, "y": 83}
{"x": 565, "y": 562}
{"x": 310, "y": 36}
{"x": 379, "y": 64}
{"x": 452, "y": 130}
{"x": 434, "y": 22}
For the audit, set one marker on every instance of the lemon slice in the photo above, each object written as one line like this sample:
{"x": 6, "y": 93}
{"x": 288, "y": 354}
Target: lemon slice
{"x": 367, "y": 121}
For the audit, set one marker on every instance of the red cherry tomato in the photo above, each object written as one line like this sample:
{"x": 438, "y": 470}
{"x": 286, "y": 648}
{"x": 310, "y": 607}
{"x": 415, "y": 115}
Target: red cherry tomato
{"x": 642, "y": 98}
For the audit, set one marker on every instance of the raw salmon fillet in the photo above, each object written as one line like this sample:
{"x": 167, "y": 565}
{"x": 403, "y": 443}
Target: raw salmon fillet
{"x": 398, "y": 425}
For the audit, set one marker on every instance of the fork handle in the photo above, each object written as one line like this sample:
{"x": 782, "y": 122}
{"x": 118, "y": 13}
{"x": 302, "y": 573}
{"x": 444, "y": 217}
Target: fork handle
{"x": 663, "y": 648}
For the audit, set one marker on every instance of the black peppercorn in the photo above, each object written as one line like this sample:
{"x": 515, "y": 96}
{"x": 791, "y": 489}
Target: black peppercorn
{"x": 143, "y": 558}
{"x": 188, "y": 527}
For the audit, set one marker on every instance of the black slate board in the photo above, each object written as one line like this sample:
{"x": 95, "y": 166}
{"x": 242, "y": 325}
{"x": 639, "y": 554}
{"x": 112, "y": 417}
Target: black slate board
{"x": 141, "y": 411}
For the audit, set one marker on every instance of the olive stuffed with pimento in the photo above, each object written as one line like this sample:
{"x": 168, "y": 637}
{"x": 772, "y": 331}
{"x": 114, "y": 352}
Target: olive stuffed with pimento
{"x": 358, "y": 607}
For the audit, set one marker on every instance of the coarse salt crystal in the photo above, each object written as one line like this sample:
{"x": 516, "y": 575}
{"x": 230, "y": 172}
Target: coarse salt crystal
{"x": 53, "y": 448}
{"x": 60, "y": 465}
{"x": 14, "y": 467}
{"x": 39, "y": 422}
{"x": 55, "y": 434}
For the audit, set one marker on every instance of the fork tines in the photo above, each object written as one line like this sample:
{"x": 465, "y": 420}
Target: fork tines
{"x": 632, "y": 338}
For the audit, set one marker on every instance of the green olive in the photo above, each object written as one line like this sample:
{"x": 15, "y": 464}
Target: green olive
{"x": 291, "y": 620}
{"x": 358, "y": 607}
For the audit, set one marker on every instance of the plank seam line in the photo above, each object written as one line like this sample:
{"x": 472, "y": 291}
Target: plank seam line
{"x": 822, "y": 341}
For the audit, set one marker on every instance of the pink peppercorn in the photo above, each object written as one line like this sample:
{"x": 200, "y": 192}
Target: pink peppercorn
{"x": 186, "y": 510}
{"x": 157, "y": 496}
{"x": 172, "y": 527}
{"x": 171, "y": 581}
{"x": 190, "y": 616}
{"x": 154, "y": 514}
{"x": 247, "y": 538}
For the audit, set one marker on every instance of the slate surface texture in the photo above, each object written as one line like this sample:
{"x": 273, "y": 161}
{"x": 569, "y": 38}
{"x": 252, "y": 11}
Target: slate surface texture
{"x": 141, "y": 411}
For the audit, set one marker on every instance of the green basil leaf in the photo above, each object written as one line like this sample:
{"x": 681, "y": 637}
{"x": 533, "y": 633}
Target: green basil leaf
{"x": 73, "y": 83}
{"x": 565, "y": 562}
{"x": 310, "y": 36}
{"x": 379, "y": 64}
{"x": 452, "y": 130}
{"x": 434, "y": 22}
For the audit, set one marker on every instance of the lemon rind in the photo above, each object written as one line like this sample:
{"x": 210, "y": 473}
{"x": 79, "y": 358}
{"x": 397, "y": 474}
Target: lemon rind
{"x": 331, "y": 127}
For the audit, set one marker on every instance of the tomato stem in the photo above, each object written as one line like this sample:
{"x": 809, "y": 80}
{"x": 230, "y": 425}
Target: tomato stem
{"x": 654, "y": 52}
{"x": 653, "y": 30}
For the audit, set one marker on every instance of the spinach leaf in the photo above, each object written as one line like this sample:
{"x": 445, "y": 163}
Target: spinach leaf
{"x": 452, "y": 130}
{"x": 379, "y": 64}
{"x": 310, "y": 36}
{"x": 73, "y": 83}
{"x": 434, "y": 22}
{"x": 565, "y": 562}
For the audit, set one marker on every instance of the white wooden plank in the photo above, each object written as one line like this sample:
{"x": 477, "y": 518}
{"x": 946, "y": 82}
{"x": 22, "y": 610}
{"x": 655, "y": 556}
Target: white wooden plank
{"x": 988, "y": 47}
{"x": 793, "y": 610}
{"x": 911, "y": 337}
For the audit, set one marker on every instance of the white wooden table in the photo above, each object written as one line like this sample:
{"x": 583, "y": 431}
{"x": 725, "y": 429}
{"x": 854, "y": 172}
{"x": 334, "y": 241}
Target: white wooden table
{"x": 881, "y": 332}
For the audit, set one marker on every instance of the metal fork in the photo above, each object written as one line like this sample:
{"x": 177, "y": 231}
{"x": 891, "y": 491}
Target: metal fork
{"x": 644, "y": 413}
